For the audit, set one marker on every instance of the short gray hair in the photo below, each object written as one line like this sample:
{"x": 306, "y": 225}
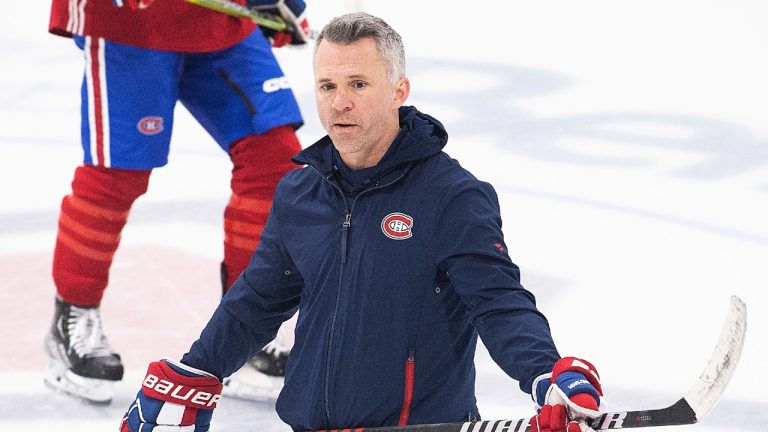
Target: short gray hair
{"x": 352, "y": 27}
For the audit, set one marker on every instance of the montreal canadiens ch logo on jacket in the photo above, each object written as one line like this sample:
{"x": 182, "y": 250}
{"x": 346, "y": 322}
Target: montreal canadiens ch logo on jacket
{"x": 397, "y": 226}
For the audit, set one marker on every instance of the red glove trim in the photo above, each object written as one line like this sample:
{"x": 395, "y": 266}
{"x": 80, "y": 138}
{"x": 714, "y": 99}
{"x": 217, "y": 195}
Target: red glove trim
{"x": 281, "y": 39}
{"x": 573, "y": 364}
{"x": 553, "y": 418}
{"x": 165, "y": 384}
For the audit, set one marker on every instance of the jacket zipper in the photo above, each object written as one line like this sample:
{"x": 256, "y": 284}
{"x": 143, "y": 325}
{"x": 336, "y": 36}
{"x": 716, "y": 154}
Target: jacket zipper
{"x": 344, "y": 230}
{"x": 329, "y": 358}
{"x": 405, "y": 411}
{"x": 344, "y": 234}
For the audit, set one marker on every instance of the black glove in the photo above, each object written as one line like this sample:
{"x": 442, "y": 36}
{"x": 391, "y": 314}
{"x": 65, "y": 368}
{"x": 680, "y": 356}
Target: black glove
{"x": 292, "y": 12}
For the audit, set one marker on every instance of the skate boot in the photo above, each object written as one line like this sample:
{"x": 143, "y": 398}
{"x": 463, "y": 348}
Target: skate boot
{"x": 81, "y": 362}
{"x": 261, "y": 378}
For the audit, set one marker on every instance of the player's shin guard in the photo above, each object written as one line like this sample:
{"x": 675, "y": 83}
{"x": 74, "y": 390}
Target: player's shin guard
{"x": 259, "y": 162}
{"x": 91, "y": 220}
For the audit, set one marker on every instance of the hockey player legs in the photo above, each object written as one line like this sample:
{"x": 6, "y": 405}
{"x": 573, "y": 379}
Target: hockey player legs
{"x": 129, "y": 93}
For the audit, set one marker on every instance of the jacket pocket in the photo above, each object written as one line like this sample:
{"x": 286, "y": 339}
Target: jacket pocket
{"x": 410, "y": 366}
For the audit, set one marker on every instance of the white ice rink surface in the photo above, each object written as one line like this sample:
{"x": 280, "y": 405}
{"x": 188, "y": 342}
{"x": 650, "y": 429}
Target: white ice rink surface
{"x": 628, "y": 142}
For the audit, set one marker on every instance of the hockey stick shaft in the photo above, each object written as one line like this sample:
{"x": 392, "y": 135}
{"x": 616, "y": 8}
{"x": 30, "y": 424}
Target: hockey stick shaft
{"x": 693, "y": 407}
{"x": 677, "y": 414}
{"x": 237, "y": 10}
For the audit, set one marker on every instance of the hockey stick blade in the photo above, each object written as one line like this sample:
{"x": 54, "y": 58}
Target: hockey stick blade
{"x": 693, "y": 407}
{"x": 712, "y": 382}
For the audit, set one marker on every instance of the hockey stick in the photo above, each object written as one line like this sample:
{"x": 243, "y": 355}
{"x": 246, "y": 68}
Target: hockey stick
{"x": 693, "y": 407}
{"x": 237, "y": 10}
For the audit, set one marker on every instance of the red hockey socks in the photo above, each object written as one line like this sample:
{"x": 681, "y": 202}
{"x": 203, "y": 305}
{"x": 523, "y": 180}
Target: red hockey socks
{"x": 91, "y": 220}
{"x": 259, "y": 162}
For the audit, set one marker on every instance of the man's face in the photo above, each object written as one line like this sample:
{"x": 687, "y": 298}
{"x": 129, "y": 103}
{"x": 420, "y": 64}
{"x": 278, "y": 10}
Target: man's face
{"x": 356, "y": 102}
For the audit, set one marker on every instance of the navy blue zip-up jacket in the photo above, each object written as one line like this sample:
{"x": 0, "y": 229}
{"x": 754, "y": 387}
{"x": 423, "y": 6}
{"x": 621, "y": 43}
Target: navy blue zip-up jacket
{"x": 393, "y": 285}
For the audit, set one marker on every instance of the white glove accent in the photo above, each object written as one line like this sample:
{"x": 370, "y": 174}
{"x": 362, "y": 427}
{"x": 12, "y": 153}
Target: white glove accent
{"x": 188, "y": 368}
{"x": 575, "y": 412}
{"x": 535, "y": 385}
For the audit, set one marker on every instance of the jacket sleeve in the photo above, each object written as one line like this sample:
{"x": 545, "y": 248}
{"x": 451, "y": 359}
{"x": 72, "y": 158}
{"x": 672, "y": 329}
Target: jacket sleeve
{"x": 472, "y": 254}
{"x": 250, "y": 313}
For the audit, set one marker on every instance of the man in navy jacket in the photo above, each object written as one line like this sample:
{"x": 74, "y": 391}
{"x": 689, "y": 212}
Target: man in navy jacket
{"x": 394, "y": 256}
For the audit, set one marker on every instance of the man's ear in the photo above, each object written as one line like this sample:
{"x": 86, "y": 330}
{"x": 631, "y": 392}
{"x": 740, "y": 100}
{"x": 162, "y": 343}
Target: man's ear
{"x": 402, "y": 90}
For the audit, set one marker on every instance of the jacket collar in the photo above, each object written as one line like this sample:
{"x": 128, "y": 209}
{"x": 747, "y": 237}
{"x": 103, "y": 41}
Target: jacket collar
{"x": 420, "y": 137}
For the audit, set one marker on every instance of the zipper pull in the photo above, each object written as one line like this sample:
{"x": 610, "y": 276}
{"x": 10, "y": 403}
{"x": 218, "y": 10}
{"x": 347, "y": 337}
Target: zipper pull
{"x": 344, "y": 229}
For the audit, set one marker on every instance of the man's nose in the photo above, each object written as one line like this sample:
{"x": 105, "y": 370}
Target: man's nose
{"x": 341, "y": 101}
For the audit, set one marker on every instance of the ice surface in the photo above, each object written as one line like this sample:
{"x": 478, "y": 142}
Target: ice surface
{"x": 628, "y": 143}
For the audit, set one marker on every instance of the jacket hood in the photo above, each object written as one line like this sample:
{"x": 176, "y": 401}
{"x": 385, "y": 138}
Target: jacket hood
{"x": 420, "y": 137}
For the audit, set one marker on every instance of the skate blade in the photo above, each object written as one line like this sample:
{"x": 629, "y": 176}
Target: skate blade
{"x": 89, "y": 390}
{"x": 251, "y": 385}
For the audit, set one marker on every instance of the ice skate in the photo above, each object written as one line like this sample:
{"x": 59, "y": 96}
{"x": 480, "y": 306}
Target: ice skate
{"x": 81, "y": 362}
{"x": 261, "y": 378}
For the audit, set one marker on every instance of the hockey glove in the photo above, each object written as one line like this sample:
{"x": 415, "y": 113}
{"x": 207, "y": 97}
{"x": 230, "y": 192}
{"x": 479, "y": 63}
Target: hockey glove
{"x": 567, "y": 398}
{"x": 133, "y": 4}
{"x": 292, "y": 12}
{"x": 172, "y": 396}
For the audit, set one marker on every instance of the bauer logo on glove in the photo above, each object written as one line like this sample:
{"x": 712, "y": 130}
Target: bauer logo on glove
{"x": 158, "y": 388}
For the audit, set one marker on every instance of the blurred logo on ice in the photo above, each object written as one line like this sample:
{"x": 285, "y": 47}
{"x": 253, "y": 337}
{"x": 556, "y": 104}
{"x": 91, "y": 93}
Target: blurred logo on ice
{"x": 150, "y": 125}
